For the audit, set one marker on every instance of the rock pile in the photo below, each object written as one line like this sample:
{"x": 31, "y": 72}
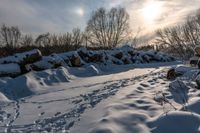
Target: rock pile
{"x": 33, "y": 60}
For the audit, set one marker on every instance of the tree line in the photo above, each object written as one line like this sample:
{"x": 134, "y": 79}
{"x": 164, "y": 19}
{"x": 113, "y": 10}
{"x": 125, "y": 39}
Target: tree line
{"x": 104, "y": 30}
{"x": 180, "y": 39}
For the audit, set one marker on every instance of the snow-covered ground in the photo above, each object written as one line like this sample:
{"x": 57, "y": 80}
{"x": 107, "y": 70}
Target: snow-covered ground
{"x": 99, "y": 99}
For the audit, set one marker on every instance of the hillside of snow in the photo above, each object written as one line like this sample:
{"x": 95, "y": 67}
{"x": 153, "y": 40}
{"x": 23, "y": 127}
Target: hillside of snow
{"x": 98, "y": 97}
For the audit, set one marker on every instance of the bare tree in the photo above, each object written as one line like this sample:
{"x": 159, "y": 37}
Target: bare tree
{"x": 108, "y": 29}
{"x": 27, "y": 40}
{"x": 43, "y": 40}
{"x": 181, "y": 39}
{"x": 10, "y": 36}
{"x": 86, "y": 38}
{"x": 77, "y": 37}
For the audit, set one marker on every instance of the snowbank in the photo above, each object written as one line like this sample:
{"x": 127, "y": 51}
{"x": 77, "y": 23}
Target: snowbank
{"x": 33, "y": 83}
{"x": 176, "y": 122}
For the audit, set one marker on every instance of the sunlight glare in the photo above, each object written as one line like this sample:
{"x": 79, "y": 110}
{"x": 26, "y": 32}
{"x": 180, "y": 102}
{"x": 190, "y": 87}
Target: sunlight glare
{"x": 151, "y": 11}
{"x": 80, "y": 11}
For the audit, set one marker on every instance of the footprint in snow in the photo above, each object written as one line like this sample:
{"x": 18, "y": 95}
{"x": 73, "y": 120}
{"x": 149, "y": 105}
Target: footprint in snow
{"x": 56, "y": 114}
{"x": 130, "y": 96}
{"x": 150, "y": 81}
{"x": 140, "y": 88}
{"x": 77, "y": 101}
{"x": 42, "y": 113}
{"x": 163, "y": 83}
{"x": 41, "y": 83}
{"x": 144, "y": 85}
{"x": 152, "y": 84}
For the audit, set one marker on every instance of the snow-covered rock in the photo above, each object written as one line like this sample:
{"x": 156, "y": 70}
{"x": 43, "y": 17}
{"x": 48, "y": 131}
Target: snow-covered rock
{"x": 195, "y": 61}
{"x": 33, "y": 60}
{"x": 72, "y": 58}
{"x": 10, "y": 69}
{"x": 198, "y": 80}
{"x": 22, "y": 58}
{"x": 180, "y": 70}
{"x": 179, "y": 91}
{"x": 48, "y": 62}
{"x": 197, "y": 50}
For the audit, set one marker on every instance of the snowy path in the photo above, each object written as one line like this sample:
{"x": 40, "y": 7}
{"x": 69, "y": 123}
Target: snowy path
{"x": 78, "y": 105}
{"x": 136, "y": 94}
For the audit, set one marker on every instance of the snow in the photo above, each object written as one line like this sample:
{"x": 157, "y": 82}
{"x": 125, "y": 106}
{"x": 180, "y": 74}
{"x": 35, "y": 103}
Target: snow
{"x": 176, "y": 121}
{"x": 98, "y": 98}
{"x": 194, "y": 105}
{"x": 196, "y": 58}
{"x": 34, "y": 61}
{"x": 19, "y": 57}
{"x": 11, "y": 68}
{"x": 197, "y": 47}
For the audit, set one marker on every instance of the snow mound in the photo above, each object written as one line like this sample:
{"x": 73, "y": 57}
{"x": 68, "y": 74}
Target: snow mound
{"x": 176, "y": 122}
{"x": 179, "y": 91}
{"x": 86, "y": 71}
{"x": 194, "y": 105}
{"x": 125, "y": 121}
{"x": 3, "y": 98}
{"x": 183, "y": 69}
{"x": 50, "y": 77}
{"x": 33, "y": 83}
{"x": 93, "y": 70}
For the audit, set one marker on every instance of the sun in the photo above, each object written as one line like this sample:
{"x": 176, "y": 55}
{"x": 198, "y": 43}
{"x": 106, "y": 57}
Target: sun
{"x": 151, "y": 11}
{"x": 80, "y": 11}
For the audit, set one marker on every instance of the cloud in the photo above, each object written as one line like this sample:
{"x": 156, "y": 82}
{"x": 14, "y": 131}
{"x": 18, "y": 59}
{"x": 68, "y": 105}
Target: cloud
{"x": 39, "y": 16}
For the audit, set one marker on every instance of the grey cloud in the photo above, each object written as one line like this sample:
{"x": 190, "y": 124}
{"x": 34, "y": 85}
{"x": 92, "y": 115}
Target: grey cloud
{"x": 36, "y": 16}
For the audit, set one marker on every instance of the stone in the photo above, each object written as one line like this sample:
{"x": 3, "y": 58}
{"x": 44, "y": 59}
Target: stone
{"x": 75, "y": 61}
{"x": 172, "y": 74}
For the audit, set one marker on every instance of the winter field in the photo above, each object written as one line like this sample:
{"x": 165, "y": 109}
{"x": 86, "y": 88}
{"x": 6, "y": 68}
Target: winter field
{"x": 118, "y": 99}
{"x": 114, "y": 91}
{"x": 99, "y": 66}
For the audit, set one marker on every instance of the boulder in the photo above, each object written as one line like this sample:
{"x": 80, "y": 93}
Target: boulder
{"x": 197, "y": 50}
{"x": 171, "y": 74}
{"x": 72, "y": 58}
{"x": 47, "y": 62}
{"x": 198, "y": 80}
{"x": 118, "y": 55}
{"x": 31, "y": 57}
{"x": 83, "y": 53}
{"x": 75, "y": 61}
{"x": 96, "y": 58}
{"x": 195, "y": 61}
{"x": 126, "y": 61}
{"x": 43, "y": 65}
{"x": 10, "y": 70}
{"x": 23, "y": 58}
{"x": 146, "y": 58}
{"x": 132, "y": 53}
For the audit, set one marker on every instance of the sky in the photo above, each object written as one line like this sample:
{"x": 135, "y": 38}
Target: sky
{"x": 60, "y": 16}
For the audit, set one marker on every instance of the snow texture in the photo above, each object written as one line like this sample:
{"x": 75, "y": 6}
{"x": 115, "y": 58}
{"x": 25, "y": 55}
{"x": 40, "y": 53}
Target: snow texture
{"x": 99, "y": 98}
